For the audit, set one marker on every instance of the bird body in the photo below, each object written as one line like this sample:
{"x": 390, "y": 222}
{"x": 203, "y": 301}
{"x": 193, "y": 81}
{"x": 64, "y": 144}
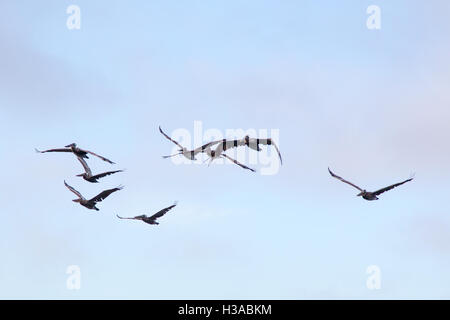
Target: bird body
{"x": 76, "y": 151}
{"x": 91, "y": 203}
{"x": 151, "y": 219}
{"x": 88, "y": 176}
{"x": 367, "y": 195}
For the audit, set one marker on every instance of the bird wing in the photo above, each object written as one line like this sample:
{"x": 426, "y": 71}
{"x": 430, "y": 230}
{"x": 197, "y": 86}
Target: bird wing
{"x": 98, "y": 156}
{"x": 269, "y": 142}
{"x": 162, "y": 212}
{"x": 165, "y": 135}
{"x": 378, "y": 192}
{"x": 132, "y": 218}
{"x": 73, "y": 190}
{"x": 85, "y": 166}
{"x": 206, "y": 146}
{"x": 54, "y": 150}
{"x": 343, "y": 180}
{"x": 104, "y": 174}
{"x": 237, "y": 162}
{"x": 104, "y": 194}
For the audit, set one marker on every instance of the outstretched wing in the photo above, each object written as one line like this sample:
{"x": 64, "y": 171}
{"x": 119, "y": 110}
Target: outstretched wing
{"x": 104, "y": 174}
{"x": 378, "y": 192}
{"x": 205, "y": 147}
{"x": 132, "y": 218}
{"x": 269, "y": 142}
{"x": 73, "y": 190}
{"x": 98, "y": 156}
{"x": 54, "y": 150}
{"x": 103, "y": 195}
{"x": 237, "y": 162}
{"x": 85, "y": 166}
{"x": 162, "y": 212}
{"x": 165, "y": 135}
{"x": 343, "y": 180}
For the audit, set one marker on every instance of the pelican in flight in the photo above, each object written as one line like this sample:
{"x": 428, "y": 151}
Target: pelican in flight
{"x": 366, "y": 194}
{"x": 151, "y": 219}
{"x": 77, "y": 151}
{"x": 189, "y": 154}
{"x": 90, "y": 204}
{"x": 87, "y": 175}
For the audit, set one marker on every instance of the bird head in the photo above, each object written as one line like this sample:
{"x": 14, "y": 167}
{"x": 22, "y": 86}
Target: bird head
{"x": 247, "y": 140}
{"x": 361, "y": 193}
{"x": 81, "y": 175}
{"x": 71, "y": 145}
{"x": 76, "y": 200}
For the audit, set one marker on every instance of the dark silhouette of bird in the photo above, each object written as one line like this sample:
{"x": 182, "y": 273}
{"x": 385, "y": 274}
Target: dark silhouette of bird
{"x": 366, "y": 194}
{"x": 151, "y": 219}
{"x": 88, "y": 176}
{"x": 77, "y": 151}
{"x": 90, "y": 204}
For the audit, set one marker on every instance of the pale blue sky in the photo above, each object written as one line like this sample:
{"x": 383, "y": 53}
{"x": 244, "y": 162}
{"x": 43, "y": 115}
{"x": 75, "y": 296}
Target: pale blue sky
{"x": 372, "y": 105}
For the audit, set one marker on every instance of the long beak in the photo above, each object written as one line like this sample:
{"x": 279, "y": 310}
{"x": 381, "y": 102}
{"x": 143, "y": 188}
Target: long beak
{"x": 79, "y": 175}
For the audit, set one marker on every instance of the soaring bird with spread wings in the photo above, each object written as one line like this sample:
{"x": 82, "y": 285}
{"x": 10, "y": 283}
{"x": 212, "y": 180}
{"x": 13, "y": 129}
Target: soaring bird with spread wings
{"x": 88, "y": 176}
{"x": 366, "y": 194}
{"x": 151, "y": 219}
{"x": 77, "y": 151}
{"x": 90, "y": 204}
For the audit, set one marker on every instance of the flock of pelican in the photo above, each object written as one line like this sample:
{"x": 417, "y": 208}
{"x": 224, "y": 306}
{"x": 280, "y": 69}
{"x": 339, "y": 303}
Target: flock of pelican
{"x": 88, "y": 176}
{"x": 218, "y": 152}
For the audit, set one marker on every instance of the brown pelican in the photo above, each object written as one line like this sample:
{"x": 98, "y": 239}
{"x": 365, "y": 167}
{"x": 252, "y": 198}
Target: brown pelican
{"x": 366, "y": 194}
{"x": 90, "y": 204}
{"x": 152, "y": 219}
{"x": 87, "y": 175}
{"x": 189, "y": 154}
{"x": 77, "y": 151}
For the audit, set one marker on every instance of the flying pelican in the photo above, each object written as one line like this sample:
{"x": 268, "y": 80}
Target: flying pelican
{"x": 77, "y": 151}
{"x": 152, "y": 219}
{"x": 87, "y": 175}
{"x": 189, "y": 154}
{"x": 90, "y": 204}
{"x": 366, "y": 194}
